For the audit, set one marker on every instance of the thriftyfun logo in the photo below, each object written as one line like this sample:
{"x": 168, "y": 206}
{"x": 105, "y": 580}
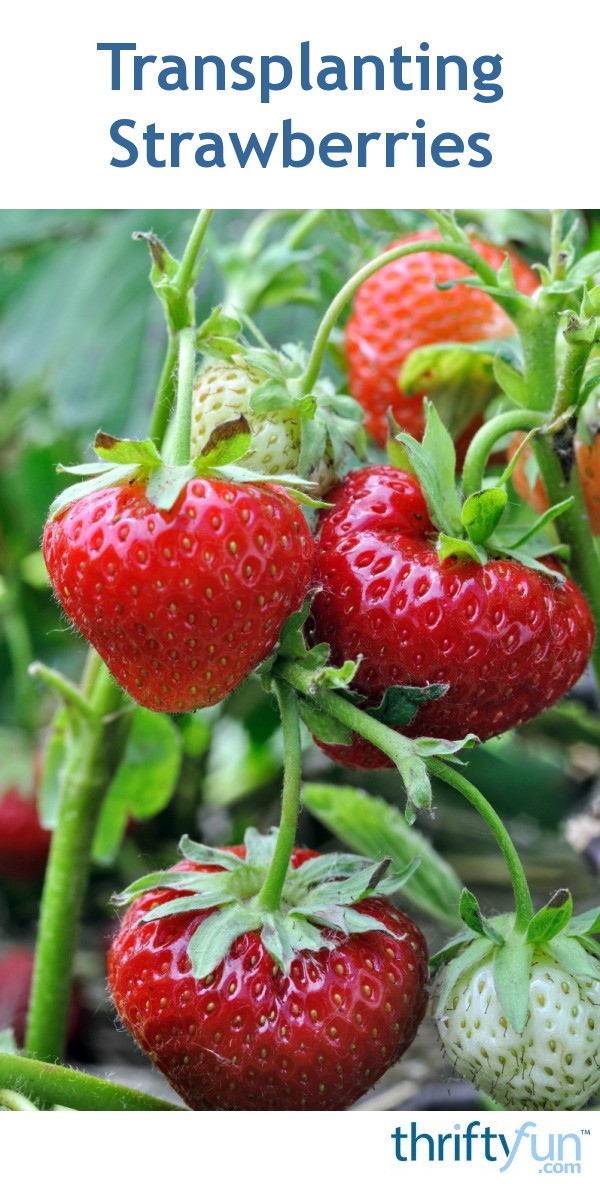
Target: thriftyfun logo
{"x": 554, "y": 1153}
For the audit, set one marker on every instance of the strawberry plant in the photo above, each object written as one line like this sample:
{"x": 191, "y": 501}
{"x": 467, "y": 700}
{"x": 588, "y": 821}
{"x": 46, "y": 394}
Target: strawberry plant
{"x": 255, "y": 542}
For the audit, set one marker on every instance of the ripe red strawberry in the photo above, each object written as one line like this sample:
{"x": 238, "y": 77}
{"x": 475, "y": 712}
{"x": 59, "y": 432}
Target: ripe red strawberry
{"x": 400, "y": 309}
{"x": 507, "y": 640}
{"x": 16, "y": 972}
{"x": 24, "y": 844}
{"x": 250, "y": 1036}
{"x": 181, "y": 604}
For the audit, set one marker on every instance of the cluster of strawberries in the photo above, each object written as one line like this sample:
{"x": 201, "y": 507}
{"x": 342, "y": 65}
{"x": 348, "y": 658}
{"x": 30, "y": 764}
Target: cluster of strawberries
{"x": 184, "y": 603}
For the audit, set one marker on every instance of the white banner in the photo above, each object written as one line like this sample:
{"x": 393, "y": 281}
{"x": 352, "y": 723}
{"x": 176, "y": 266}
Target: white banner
{"x": 260, "y": 105}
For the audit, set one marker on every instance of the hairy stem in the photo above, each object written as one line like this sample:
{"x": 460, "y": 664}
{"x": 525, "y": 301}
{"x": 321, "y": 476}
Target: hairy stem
{"x": 270, "y": 894}
{"x": 163, "y": 404}
{"x": 53, "y": 1085}
{"x": 185, "y": 276}
{"x": 65, "y": 884}
{"x": 185, "y": 393}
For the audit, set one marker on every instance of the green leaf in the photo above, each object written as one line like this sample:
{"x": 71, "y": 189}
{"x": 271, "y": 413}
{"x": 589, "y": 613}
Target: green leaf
{"x": 472, "y": 916}
{"x": 574, "y": 958}
{"x": 550, "y": 920}
{"x": 127, "y": 452}
{"x": 215, "y": 936}
{"x": 585, "y": 268}
{"x": 375, "y": 829}
{"x": 344, "y": 224}
{"x": 482, "y": 512}
{"x": 510, "y": 380}
{"x": 434, "y": 462}
{"x": 144, "y": 782}
{"x": 512, "y": 966}
{"x": 400, "y": 704}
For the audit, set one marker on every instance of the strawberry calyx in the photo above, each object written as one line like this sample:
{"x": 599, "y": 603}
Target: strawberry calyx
{"x": 553, "y": 930}
{"x": 317, "y": 897}
{"x": 123, "y": 462}
{"x": 476, "y": 528}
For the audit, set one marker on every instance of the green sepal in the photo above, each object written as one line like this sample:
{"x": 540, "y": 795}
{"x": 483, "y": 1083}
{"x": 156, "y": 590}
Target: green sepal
{"x": 460, "y": 549}
{"x": 212, "y": 939}
{"x": 473, "y": 918}
{"x": 400, "y": 704}
{"x": 167, "y": 483}
{"x": 473, "y": 955}
{"x": 574, "y": 957}
{"x": 585, "y": 924}
{"x": 451, "y": 949}
{"x": 322, "y": 897}
{"x": 540, "y": 524}
{"x": 372, "y": 826}
{"x": 550, "y": 920}
{"x": 512, "y": 966}
{"x": 110, "y": 476}
{"x": 127, "y": 452}
{"x": 434, "y": 462}
{"x": 228, "y": 442}
{"x": 481, "y": 513}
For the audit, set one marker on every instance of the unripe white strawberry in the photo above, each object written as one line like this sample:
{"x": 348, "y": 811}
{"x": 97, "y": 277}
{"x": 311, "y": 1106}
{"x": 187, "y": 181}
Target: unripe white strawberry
{"x": 553, "y": 1064}
{"x": 223, "y": 391}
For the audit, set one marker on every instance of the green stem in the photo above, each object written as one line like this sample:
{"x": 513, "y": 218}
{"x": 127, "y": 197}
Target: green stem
{"x": 485, "y": 440}
{"x": 466, "y": 254}
{"x": 571, "y": 375}
{"x": 270, "y": 894}
{"x": 303, "y": 227}
{"x": 163, "y": 404}
{"x": 523, "y": 902}
{"x": 557, "y": 259}
{"x": 92, "y": 758}
{"x": 400, "y": 748}
{"x": 574, "y": 530}
{"x": 65, "y": 884}
{"x": 53, "y": 1085}
{"x": 185, "y": 394}
{"x": 185, "y": 276}
{"x": 64, "y": 688}
{"x": 538, "y": 337}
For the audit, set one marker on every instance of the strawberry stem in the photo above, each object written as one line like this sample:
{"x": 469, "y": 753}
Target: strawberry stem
{"x": 523, "y": 902}
{"x": 398, "y": 747}
{"x": 486, "y": 439}
{"x": 467, "y": 255}
{"x": 85, "y": 779}
{"x": 53, "y": 1085}
{"x": 270, "y": 894}
{"x": 185, "y": 391}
